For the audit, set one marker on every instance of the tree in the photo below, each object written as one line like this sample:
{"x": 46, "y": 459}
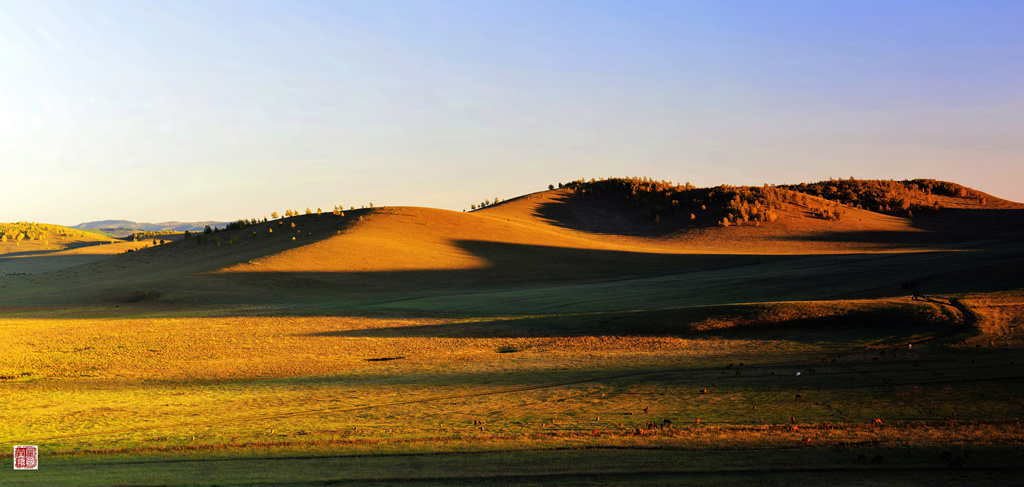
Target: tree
{"x": 308, "y": 212}
{"x": 274, "y": 215}
{"x": 188, "y": 235}
{"x": 207, "y": 230}
{"x": 551, "y": 187}
{"x": 318, "y": 212}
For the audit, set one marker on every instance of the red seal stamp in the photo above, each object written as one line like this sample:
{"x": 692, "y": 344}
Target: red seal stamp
{"x": 26, "y": 457}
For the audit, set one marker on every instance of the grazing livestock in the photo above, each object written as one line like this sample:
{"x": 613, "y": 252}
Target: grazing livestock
{"x": 728, "y": 366}
{"x": 876, "y": 421}
{"x": 794, "y": 427}
{"x": 798, "y": 396}
{"x": 862, "y": 457}
{"x": 646, "y": 409}
{"x": 792, "y": 419}
{"x": 798, "y": 374}
{"x": 704, "y": 391}
{"x": 698, "y": 420}
{"x": 738, "y": 373}
{"x": 811, "y": 370}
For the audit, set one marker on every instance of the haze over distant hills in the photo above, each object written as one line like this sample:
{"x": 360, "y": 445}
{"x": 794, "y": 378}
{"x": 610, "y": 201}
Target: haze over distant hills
{"x": 149, "y": 227}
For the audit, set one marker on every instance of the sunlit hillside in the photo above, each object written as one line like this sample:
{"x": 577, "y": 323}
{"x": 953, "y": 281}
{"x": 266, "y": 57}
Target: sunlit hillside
{"x": 629, "y": 322}
{"x": 587, "y": 232}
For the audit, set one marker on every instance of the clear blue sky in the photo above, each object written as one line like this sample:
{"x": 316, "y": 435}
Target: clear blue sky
{"x": 154, "y": 111}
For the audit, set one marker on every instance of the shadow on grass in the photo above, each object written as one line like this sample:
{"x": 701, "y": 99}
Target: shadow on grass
{"x": 508, "y": 264}
{"x": 797, "y": 323}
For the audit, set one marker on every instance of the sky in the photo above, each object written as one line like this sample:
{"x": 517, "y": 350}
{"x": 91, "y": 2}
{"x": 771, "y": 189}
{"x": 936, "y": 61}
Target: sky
{"x": 221, "y": 110}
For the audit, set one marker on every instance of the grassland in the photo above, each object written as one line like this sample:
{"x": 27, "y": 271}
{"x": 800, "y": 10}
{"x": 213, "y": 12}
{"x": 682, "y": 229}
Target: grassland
{"x": 526, "y": 343}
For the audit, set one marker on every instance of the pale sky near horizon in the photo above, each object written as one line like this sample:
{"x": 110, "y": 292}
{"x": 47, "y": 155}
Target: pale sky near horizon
{"x": 218, "y": 110}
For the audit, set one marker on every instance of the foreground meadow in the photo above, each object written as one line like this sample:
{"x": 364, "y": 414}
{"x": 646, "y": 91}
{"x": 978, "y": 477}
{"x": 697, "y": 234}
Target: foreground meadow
{"x": 558, "y": 338}
{"x": 145, "y": 395}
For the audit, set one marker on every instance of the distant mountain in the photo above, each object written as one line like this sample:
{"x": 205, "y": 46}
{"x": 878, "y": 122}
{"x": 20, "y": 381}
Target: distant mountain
{"x": 130, "y": 226}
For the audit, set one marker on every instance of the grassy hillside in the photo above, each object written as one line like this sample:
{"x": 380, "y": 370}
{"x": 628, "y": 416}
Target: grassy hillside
{"x": 598, "y": 235}
{"x": 566, "y": 337}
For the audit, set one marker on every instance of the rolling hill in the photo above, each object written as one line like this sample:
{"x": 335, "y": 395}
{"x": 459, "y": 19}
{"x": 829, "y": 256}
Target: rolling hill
{"x": 601, "y": 319}
{"x": 650, "y": 242}
{"x": 123, "y": 228}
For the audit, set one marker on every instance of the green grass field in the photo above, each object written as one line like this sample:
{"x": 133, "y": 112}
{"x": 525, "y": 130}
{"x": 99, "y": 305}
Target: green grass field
{"x": 533, "y": 356}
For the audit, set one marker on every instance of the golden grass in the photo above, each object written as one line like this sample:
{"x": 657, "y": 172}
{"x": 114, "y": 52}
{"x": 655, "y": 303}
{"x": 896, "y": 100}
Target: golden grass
{"x": 410, "y": 238}
{"x": 796, "y": 231}
{"x": 181, "y": 382}
{"x": 1000, "y": 319}
{"x": 226, "y": 348}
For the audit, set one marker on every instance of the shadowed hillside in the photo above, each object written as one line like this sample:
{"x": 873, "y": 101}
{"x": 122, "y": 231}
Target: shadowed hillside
{"x": 624, "y": 316}
{"x": 703, "y": 246}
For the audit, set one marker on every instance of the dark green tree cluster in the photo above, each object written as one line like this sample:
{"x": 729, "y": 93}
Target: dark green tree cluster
{"x": 737, "y": 204}
{"x": 242, "y": 224}
{"x": 886, "y": 196}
